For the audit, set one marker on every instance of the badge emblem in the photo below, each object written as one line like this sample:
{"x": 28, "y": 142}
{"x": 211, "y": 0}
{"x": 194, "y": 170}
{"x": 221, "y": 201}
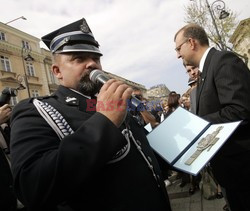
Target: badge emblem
{"x": 84, "y": 27}
{"x": 71, "y": 101}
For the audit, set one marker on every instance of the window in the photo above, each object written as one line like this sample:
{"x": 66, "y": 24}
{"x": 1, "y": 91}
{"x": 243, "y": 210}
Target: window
{"x": 2, "y": 36}
{"x": 25, "y": 44}
{"x": 34, "y": 93}
{"x": 30, "y": 69}
{"x": 5, "y": 62}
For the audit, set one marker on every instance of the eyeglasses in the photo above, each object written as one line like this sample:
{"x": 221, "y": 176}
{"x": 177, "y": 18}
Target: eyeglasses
{"x": 179, "y": 47}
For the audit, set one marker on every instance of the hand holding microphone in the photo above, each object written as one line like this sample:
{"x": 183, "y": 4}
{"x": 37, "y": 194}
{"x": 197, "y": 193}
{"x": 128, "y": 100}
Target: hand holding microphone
{"x": 112, "y": 98}
{"x": 99, "y": 76}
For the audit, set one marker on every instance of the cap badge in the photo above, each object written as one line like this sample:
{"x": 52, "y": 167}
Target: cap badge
{"x": 84, "y": 27}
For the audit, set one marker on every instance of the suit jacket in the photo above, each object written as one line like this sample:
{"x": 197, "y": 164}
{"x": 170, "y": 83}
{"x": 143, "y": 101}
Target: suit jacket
{"x": 74, "y": 173}
{"x": 223, "y": 95}
{"x": 193, "y": 100}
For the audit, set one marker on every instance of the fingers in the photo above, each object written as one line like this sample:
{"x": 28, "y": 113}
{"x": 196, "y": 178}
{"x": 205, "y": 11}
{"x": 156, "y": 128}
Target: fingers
{"x": 118, "y": 89}
{"x": 5, "y": 112}
{"x": 127, "y": 93}
{"x": 5, "y": 106}
{"x": 107, "y": 85}
{"x": 112, "y": 101}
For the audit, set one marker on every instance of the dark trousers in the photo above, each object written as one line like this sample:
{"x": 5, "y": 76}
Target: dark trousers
{"x": 238, "y": 200}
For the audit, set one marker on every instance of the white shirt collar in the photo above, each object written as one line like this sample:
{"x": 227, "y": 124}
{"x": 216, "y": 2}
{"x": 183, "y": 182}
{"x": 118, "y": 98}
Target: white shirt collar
{"x": 203, "y": 58}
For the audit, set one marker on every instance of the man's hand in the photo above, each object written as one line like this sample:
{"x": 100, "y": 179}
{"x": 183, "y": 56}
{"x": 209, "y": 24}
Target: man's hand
{"x": 112, "y": 101}
{"x": 5, "y": 112}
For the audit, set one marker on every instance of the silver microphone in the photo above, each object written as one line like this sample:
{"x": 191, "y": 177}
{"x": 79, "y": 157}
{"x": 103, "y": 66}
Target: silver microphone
{"x": 99, "y": 76}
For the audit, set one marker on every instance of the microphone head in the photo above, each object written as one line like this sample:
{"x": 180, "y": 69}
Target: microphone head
{"x": 94, "y": 74}
{"x": 98, "y": 76}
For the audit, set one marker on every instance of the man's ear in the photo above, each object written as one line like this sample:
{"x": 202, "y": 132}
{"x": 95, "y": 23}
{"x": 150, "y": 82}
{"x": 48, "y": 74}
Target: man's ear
{"x": 56, "y": 71}
{"x": 193, "y": 43}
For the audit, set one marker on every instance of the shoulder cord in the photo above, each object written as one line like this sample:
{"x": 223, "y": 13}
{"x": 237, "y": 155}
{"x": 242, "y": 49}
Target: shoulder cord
{"x": 62, "y": 129}
{"x": 128, "y": 134}
{"x": 53, "y": 118}
{"x": 123, "y": 152}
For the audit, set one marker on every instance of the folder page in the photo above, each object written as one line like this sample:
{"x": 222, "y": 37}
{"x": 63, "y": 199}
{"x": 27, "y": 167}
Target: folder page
{"x": 188, "y": 142}
{"x": 175, "y": 133}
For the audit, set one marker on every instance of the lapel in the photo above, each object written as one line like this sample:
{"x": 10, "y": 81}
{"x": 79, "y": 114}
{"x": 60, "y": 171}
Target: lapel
{"x": 75, "y": 100}
{"x": 203, "y": 76}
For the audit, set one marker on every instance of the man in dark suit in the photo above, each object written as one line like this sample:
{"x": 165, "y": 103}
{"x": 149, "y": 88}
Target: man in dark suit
{"x": 223, "y": 95}
{"x": 68, "y": 157}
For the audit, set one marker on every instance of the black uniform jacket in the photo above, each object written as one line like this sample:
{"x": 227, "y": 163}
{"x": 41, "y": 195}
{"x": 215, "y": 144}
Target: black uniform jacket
{"x": 74, "y": 173}
{"x": 223, "y": 95}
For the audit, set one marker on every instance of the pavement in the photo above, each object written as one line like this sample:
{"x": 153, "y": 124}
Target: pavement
{"x": 181, "y": 200}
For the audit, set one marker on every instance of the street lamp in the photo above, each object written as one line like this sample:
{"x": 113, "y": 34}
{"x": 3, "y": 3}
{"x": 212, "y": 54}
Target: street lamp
{"x": 26, "y": 57}
{"x": 219, "y": 5}
{"x": 20, "y": 79}
{"x": 22, "y": 17}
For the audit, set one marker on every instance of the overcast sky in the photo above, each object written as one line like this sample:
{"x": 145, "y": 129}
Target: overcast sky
{"x": 135, "y": 36}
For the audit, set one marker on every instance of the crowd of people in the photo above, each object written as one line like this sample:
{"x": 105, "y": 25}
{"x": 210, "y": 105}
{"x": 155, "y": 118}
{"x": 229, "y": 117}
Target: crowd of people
{"x": 65, "y": 157}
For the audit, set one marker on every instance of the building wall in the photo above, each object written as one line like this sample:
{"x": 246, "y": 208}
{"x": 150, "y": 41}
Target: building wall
{"x": 241, "y": 39}
{"x": 12, "y": 48}
{"x": 158, "y": 92}
{"x": 130, "y": 83}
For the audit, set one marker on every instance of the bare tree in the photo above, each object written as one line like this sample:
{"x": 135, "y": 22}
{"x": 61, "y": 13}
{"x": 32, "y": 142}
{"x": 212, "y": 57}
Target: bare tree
{"x": 219, "y": 29}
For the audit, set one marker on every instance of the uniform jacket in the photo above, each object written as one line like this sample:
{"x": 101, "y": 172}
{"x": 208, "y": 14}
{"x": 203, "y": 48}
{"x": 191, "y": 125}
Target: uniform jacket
{"x": 223, "y": 95}
{"x": 74, "y": 174}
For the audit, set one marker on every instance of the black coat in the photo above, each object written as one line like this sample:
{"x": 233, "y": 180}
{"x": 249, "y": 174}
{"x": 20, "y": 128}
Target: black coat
{"x": 73, "y": 174}
{"x": 223, "y": 95}
{"x": 8, "y": 201}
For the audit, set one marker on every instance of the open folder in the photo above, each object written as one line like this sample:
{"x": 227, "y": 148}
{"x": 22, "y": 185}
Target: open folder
{"x": 188, "y": 142}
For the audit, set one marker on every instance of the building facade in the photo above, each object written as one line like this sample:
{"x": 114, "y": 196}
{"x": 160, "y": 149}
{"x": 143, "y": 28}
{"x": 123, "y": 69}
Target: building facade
{"x": 24, "y": 65}
{"x": 241, "y": 39}
{"x": 158, "y": 92}
{"x": 134, "y": 85}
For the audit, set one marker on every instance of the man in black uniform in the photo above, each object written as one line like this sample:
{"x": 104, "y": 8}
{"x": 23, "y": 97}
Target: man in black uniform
{"x": 65, "y": 155}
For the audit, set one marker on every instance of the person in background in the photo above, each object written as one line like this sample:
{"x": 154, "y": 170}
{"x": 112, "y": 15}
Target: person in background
{"x": 223, "y": 95}
{"x": 193, "y": 73}
{"x": 190, "y": 102}
{"x": 80, "y": 148}
{"x": 185, "y": 100}
{"x": 142, "y": 114}
{"x": 173, "y": 102}
{"x": 8, "y": 200}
